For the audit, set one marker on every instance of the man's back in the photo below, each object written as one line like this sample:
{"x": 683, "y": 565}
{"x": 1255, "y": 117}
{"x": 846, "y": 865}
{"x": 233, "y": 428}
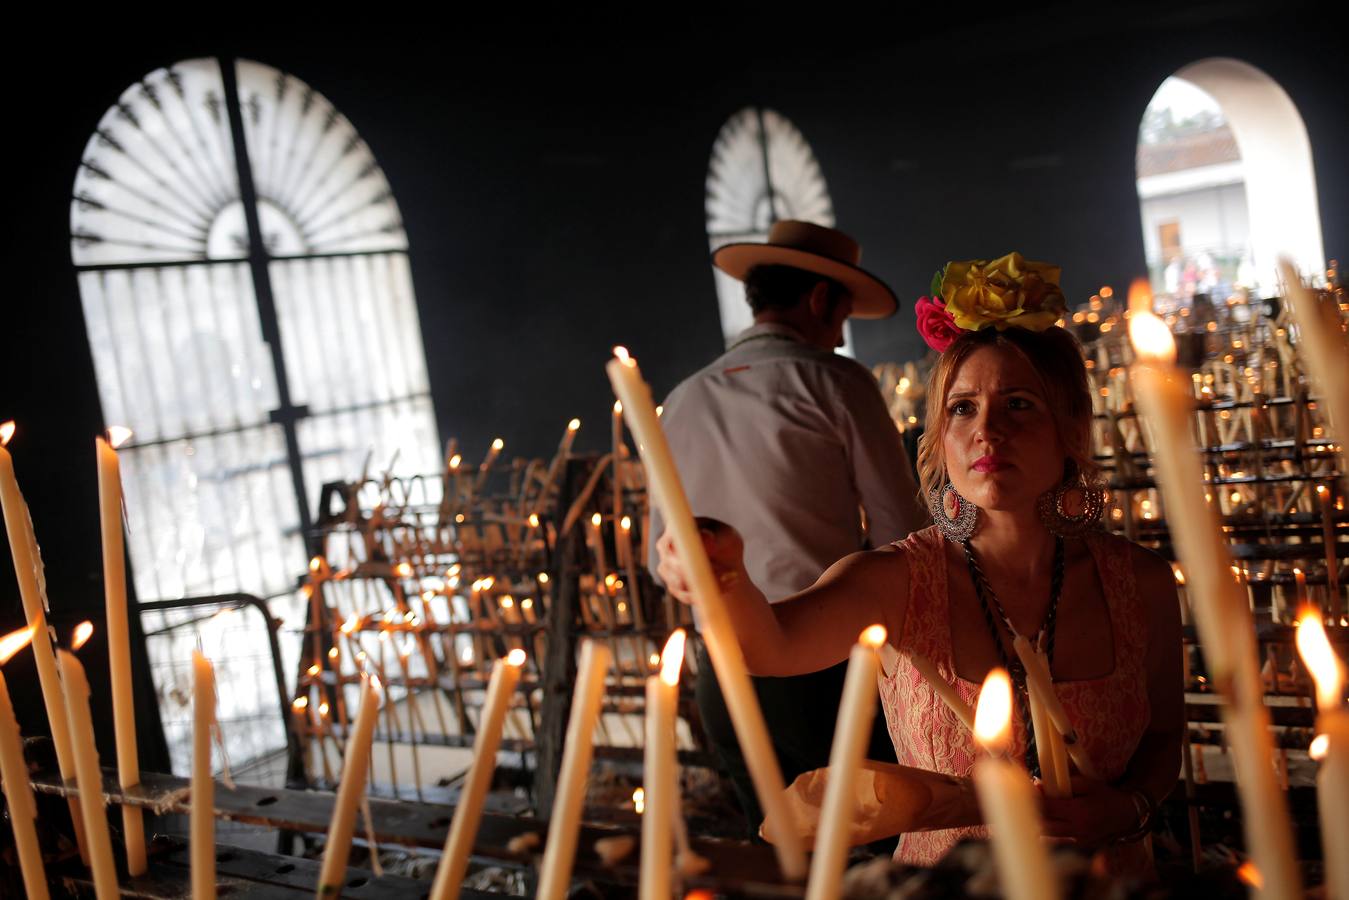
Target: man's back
{"x": 787, "y": 442}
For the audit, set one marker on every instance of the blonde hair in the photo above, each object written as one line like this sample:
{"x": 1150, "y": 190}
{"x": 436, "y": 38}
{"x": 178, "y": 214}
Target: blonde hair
{"x": 1056, "y": 357}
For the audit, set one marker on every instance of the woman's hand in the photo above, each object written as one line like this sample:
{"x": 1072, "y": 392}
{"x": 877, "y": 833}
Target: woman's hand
{"x": 725, "y": 550}
{"x": 1095, "y": 814}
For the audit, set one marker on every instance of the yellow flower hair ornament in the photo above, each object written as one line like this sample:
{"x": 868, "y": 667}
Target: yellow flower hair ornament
{"x": 1010, "y": 291}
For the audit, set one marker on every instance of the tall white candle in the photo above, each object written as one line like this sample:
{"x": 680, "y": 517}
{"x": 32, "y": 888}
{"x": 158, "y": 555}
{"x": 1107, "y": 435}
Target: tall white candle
{"x": 18, "y": 789}
{"x": 943, "y": 689}
{"x": 852, "y": 731}
{"x": 88, "y": 774}
{"x": 1221, "y": 608}
{"x": 202, "y": 798}
{"x": 577, "y": 753}
{"x": 1041, "y": 684}
{"x": 1332, "y": 722}
{"x": 658, "y": 773}
{"x": 667, "y": 493}
{"x": 350, "y": 791}
{"x": 1007, "y": 800}
{"x": 1321, "y": 343}
{"x": 119, "y": 641}
{"x": 32, "y": 589}
{"x": 468, "y": 811}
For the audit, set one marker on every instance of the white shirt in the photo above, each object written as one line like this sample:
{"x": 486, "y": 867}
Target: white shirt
{"x": 787, "y": 442}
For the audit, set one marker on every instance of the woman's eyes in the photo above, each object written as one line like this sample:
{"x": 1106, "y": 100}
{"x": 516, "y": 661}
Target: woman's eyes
{"x": 966, "y": 407}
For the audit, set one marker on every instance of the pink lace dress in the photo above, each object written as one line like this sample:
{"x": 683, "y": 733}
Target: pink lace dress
{"x": 1110, "y": 713}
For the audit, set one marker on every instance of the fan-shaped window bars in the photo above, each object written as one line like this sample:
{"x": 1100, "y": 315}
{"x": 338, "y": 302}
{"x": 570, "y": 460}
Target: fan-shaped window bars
{"x": 252, "y": 322}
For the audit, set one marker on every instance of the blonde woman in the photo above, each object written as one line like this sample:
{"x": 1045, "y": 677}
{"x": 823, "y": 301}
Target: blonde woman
{"x": 1006, "y": 466}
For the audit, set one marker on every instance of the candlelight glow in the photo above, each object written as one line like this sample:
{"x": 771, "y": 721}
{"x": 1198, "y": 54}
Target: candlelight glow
{"x": 624, "y": 356}
{"x": 375, "y": 683}
{"x": 350, "y": 624}
{"x": 488, "y": 582}
{"x": 1151, "y": 338}
{"x": 596, "y": 519}
{"x": 1319, "y": 746}
{"x": 610, "y": 579}
{"x": 1250, "y": 875}
{"x": 1180, "y": 576}
{"x": 404, "y": 570}
{"x": 618, "y": 407}
{"x": 323, "y": 708}
{"x": 498, "y": 444}
{"x": 639, "y": 801}
{"x": 332, "y": 653}
{"x": 672, "y": 657}
{"x": 14, "y": 642}
{"x": 118, "y": 435}
{"x": 993, "y": 715}
{"x": 574, "y": 425}
{"x": 527, "y": 603}
{"x": 654, "y": 660}
{"x": 543, "y": 578}
{"x": 314, "y": 670}
{"x": 507, "y": 601}
{"x": 660, "y": 411}
{"x": 872, "y": 636}
{"x": 1140, "y": 296}
{"x": 300, "y": 704}
{"x": 533, "y": 520}
{"x": 1319, "y": 658}
{"x": 515, "y": 658}
{"x": 625, "y": 523}
{"x": 456, "y": 460}
{"x": 6, "y": 432}
{"x": 83, "y": 632}
{"x": 315, "y": 564}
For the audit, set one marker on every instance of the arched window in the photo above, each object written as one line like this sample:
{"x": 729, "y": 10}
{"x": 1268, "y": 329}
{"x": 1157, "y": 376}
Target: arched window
{"x": 1225, "y": 182}
{"x": 244, "y": 275}
{"x": 761, "y": 170}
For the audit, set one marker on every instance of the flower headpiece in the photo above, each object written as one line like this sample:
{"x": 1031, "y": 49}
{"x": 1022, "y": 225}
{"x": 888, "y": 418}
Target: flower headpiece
{"x": 1008, "y": 292}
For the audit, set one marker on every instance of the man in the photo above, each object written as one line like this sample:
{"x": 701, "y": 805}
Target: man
{"x": 792, "y": 445}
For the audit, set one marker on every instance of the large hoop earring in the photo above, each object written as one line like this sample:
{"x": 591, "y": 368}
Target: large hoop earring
{"x": 1053, "y": 507}
{"x": 953, "y": 514}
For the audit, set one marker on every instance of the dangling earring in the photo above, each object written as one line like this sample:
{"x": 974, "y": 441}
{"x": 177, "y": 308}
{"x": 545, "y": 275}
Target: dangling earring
{"x": 952, "y": 513}
{"x": 1053, "y": 507}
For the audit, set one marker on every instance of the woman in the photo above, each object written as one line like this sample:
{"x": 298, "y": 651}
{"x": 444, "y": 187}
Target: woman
{"x": 1006, "y": 464}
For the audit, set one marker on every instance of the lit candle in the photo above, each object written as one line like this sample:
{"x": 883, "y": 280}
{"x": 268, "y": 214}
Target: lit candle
{"x": 667, "y": 493}
{"x": 1041, "y": 683}
{"x": 88, "y": 775}
{"x": 202, "y": 816}
{"x": 299, "y": 709}
{"x": 577, "y": 752}
{"x": 617, "y": 441}
{"x": 661, "y": 788}
{"x": 1321, "y": 343}
{"x": 943, "y": 689}
{"x": 1007, "y": 799}
{"x": 119, "y": 640}
{"x": 857, "y": 709}
{"x": 1332, "y": 722}
{"x": 486, "y": 466}
{"x": 14, "y": 771}
{"x": 596, "y": 539}
{"x": 27, "y": 566}
{"x": 350, "y": 791}
{"x": 1219, "y": 602}
{"x": 468, "y": 811}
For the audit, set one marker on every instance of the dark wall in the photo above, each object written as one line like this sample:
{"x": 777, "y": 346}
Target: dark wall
{"x": 551, "y": 181}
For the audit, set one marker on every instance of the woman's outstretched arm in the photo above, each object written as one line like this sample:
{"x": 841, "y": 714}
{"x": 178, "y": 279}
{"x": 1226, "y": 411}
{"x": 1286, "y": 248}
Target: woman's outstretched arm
{"x": 810, "y": 630}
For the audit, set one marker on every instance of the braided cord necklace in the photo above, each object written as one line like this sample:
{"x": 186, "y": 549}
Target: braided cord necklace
{"x": 989, "y": 602}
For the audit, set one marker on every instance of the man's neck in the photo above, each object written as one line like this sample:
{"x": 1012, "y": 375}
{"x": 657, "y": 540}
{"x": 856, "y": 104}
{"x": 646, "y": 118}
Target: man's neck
{"x": 798, "y": 320}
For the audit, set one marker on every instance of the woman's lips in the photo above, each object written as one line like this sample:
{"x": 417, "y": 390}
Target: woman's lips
{"x": 991, "y": 464}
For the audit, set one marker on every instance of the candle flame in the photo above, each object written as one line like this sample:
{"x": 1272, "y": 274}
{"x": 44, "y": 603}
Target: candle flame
{"x": 332, "y": 653}
{"x": 543, "y": 578}
{"x": 655, "y": 660}
{"x": 498, "y": 444}
{"x": 83, "y": 632}
{"x": 596, "y": 519}
{"x": 610, "y": 579}
{"x": 574, "y": 425}
{"x": 14, "y": 642}
{"x": 323, "y": 708}
{"x": 350, "y": 624}
{"x": 1151, "y": 338}
{"x": 660, "y": 411}
{"x": 404, "y": 570}
{"x": 1250, "y": 875}
{"x": 454, "y": 569}
{"x": 699, "y": 894}
{"x": 993, "y": 715}
{"x": 456, "y": 460}
{"x": 624, "y": 356}
{"x": 300, "y": 704}
{"x": 6, "y": 432}
{"x": 873, "y": 636}
{"x": 625, "y": 523}
{"x": 1140, "y": 296}
{"x": 507, "y": 601}
{"x": 377, "y": 686}
{"x": 316, "y": 564}
{"x": 488, "y": 582}
{"x": 639, "y": 801}
{"x": 618, "y": 407}
{"x": 1180, "y": 576}
{"x": 527, "y": 603}
{"x": 314, "y": 669}
{"x": 533, "y": 520}
{"x": 672, "y": 657}
{"x": 118, "y": 435}
{"x": 466, "y": 655}
{"x": 515, "y": 658}
{"x": 1319, "y": 658}
{"x": 1319, "y": 747}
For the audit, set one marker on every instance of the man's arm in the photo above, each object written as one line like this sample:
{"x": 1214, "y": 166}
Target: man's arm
{"x": 880, "y": 467}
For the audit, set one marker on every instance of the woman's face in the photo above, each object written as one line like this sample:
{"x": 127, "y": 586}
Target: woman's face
{"x": 1001, "y": 447}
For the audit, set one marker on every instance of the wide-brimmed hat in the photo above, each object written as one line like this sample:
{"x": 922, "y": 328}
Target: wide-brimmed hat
{"x": 814, "y": 248}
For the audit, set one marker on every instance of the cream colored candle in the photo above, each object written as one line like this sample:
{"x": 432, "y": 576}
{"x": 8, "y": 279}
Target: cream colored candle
{"x": 667, "y": 493}
{"x": 119, "y": 640}
{"x": 852, "y": 731}
{"x": 202, "y": 798}
{"x": 1332, "y": 721}
{"x": 1220, "y": 605}
{"x": 487, "y": 463}
{"x": 661, "y": 788}
{"x": 18, "y": 789}
{"x": 577, "y": 753}
{"x": 1007, "y": 800}
{"x": 28, "y": 568}
{"x": 944, "y": 689}
{"x": 1321, "y": 343}
{"x": 88, "y": 775}
{"x": 350, "y": 791}
{"x": 1038, "y": 677}
{"x": 468, "y": 811}
{"x": 596, "y": 540}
